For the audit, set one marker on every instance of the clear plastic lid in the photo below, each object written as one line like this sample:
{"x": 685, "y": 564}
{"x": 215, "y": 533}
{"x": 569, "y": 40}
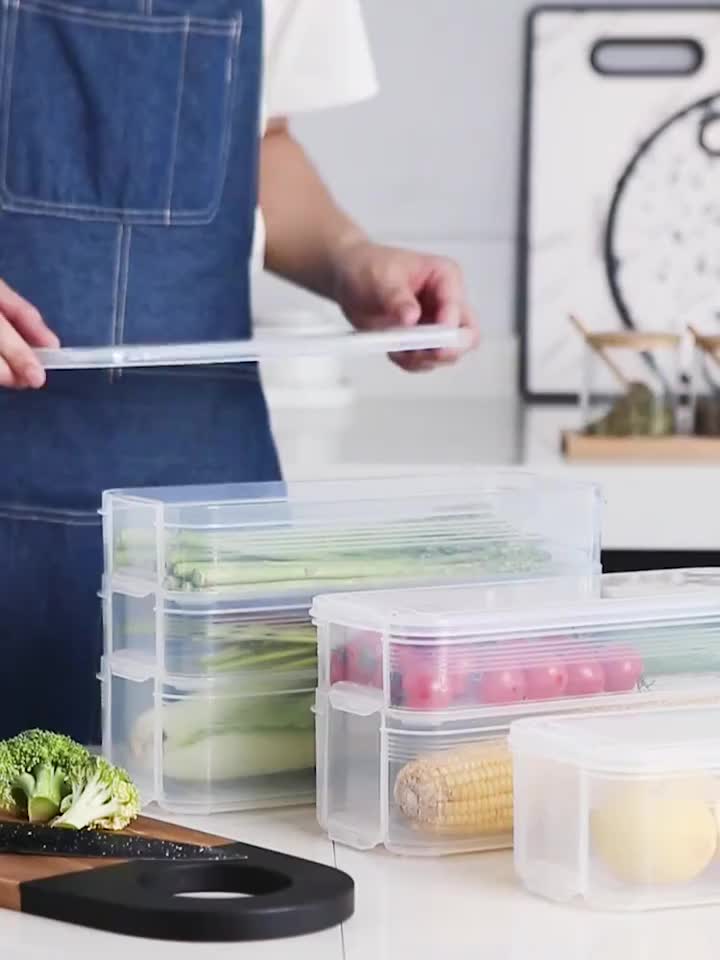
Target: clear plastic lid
{"x": 540, "y": 606}
{"x": 268, "y": 347}
{"x": 646, "y": 742}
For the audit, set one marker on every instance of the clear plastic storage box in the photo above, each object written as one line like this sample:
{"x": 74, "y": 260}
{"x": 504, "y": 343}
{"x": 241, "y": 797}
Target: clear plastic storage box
{"x": 283, "y": 544}
{"x": 211, "y": 745}
{"x": 418, "y": 689}
{"x": 620, "y": 811}
{"x": 207, "y": 591}
{"x": 194, "y": 640}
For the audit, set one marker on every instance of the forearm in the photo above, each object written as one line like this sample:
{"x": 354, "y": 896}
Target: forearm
{"x": 306, "y": 230}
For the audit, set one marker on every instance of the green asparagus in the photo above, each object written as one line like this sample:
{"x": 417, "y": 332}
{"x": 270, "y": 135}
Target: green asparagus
{"x": 310, "y": 558}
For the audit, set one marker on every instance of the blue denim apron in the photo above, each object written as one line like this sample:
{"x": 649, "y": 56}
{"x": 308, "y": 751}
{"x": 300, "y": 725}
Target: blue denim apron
{"x": 128, "y": 185}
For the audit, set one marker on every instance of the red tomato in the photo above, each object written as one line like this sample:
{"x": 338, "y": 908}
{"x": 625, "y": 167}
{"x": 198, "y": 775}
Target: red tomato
{"x": 337, "y": 666}
{"x": 424, "y": 689}
{"x": 546, "y": 681}
{"x": 502, "y": 686}
{"x": 623, "y": 669}
{"x": 584, "y": 678}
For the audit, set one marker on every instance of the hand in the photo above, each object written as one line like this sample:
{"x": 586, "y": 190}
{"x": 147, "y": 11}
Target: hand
{"x": 379, "y": 287}
{"x": 21, "y": 329}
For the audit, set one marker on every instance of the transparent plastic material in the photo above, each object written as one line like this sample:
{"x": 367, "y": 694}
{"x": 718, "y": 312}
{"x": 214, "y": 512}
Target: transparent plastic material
{"x": 210, "y": 746}
{"x": 425, "y": 337}
{"x": 504, "y": 644}
{"x": 430, "y": 775}
{"x": 431, "y": 785}
{"x": 214, "y": 641}
{"x": 706, "y": 386}
{"x": 620, "y": 811}
{"x": 277, "y": 544}
{"x": 631, "y": 385}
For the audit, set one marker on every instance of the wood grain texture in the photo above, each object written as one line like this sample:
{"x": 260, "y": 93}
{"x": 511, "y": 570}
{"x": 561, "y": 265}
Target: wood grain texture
{"x": 669, "y": 450}
{"x": 15, "y": 870}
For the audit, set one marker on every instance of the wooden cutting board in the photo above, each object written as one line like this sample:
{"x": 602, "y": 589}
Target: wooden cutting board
{"x": 271, "y": 895}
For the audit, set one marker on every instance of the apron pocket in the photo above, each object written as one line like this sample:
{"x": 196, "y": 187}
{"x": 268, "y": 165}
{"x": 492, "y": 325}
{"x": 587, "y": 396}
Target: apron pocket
{"x": 114, "y": 116}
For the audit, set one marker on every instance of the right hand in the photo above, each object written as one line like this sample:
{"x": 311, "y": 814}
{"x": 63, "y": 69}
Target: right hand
{"x": 21, "y": 329}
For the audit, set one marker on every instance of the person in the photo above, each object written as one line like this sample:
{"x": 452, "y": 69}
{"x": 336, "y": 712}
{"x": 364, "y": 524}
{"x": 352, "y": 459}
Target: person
{"x": 136, "y": 136}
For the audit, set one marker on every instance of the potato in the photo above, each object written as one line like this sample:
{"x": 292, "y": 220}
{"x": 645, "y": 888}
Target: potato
{"x": 656, "y": 832}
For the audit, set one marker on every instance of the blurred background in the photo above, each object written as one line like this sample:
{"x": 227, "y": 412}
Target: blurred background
{"x": 434, "y": 162}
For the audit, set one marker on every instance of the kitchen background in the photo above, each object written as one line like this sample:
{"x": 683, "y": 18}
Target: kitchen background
{"x": 433, "y": 162}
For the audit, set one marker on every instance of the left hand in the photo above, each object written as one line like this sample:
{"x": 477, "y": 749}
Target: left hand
{"x": 379, "y": 287}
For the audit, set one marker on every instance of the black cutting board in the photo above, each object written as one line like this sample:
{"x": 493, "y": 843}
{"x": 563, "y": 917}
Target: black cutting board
{"x": 282, "y": 896}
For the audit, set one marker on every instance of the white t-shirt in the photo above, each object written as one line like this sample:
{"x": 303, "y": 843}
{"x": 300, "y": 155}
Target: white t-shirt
{"x": 316, "y": 56}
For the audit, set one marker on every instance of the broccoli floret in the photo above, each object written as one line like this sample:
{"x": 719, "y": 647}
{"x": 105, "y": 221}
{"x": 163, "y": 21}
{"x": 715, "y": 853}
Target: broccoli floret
{"x": 8, "y": 774}
{"x": 107, "y": 800}
{"x": 43, "y": 768}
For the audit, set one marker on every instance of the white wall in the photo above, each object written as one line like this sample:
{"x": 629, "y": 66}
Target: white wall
{"x": 433, "y": 161}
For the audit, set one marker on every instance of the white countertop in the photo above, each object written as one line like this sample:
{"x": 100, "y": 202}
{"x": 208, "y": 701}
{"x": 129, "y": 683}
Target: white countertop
{"x": 648, "y": 507}
{"x": 460, "y": 908}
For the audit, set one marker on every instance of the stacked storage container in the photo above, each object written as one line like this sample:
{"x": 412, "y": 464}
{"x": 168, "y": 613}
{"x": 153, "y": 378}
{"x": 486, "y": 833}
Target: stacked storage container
{"x": 210, "y": 664}
{"x": 418, "y": 689}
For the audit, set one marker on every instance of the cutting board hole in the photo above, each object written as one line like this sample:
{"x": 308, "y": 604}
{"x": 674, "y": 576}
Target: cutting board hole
{"x": 213, "y": 895}
{"x": 216, "y": 881}
{"x": 647, "y": 57}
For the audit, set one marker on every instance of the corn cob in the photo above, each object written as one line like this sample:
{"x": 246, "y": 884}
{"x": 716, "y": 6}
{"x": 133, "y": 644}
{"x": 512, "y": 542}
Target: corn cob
{"x": 469, "y": 790}
{"x": 463, "y": 791}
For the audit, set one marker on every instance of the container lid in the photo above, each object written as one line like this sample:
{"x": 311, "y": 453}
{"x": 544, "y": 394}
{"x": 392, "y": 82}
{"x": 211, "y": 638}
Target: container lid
{"x": 543, "y": 606}
{"x": 450, "y": 494}
{"x": 139, "y": 666}
{"x": 645, "y": 741}
{"x": 346, "y": 344}
{"x": 249, "y": 609}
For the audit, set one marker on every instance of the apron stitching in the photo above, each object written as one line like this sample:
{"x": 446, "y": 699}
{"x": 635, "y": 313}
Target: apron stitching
{"x": 176, "y": 127}
{"x": 58, "y": 518}
{"x": 11, "y": 35}
{"x": 10, "y": 506}
{"x": 128, "y": 21}
{"x": 122, "y": 275}
{"x": 116, "y": 290}
{"x": 3, "y": 38}
{"x": 90, "y": 213}
{"x": 124, "y": 280}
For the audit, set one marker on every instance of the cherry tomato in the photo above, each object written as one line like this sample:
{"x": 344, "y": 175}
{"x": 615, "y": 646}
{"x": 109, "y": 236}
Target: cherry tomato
{"x": 585, "y": 677}
{"x": 337, "y": 666}
{"x": 623, "y": 669}
{"x": 546, "y": 681}
{"x": 502, "y": 686}
{"x": 424, "y": 689}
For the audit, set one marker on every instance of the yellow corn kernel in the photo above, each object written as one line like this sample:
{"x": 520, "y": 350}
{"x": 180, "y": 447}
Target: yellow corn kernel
{"x": 467, "y": 790}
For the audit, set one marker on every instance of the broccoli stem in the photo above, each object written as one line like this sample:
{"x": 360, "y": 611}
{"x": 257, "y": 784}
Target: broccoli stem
{"x": 43, "y": 790}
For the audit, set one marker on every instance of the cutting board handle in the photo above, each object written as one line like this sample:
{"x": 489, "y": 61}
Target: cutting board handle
{"x": 262, "y": 895}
